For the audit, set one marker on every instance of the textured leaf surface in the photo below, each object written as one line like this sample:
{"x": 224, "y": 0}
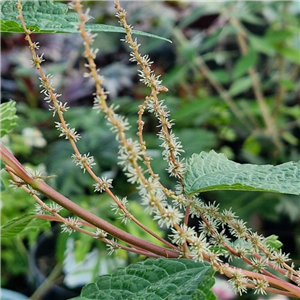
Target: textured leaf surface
{"x": 155, "y": 279}
{"x": 209, "y": 171}
{"x": 49, "y": 16}
{"x": 8, "y": 116}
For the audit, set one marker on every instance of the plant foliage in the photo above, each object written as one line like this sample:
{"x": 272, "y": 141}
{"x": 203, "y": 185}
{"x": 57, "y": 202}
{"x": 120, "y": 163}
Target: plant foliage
{"x": 157, "y": 279}
{"x": 49, "y": 17}
{"x": 209, "y": 171}
{"x": 18, "y": 225}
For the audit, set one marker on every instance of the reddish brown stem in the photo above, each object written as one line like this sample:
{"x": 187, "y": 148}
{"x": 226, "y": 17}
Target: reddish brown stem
{"x": 45, "y": 189}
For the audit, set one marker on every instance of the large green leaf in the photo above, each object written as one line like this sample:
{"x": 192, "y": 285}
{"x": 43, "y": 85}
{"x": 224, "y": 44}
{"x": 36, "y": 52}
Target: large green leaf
{"x": 209, "y": 171}
{"x": 7, "y": 116}
{"x": 48, "y": 16}
{"x": 155, "y": 279}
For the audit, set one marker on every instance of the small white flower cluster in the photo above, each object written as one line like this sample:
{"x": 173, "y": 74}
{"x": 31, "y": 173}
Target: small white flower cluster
{"x": 45, "y": 209}
{"x": 59, "y": 107}
{"x": 199, "y": 246}
{"x": 119, "y": 124}
{"x": 279, "y": 259}
{"x": 152, "y": 195}
{"x": 238, "y": 281}
{"x": 46, "y": 84}
{"x": 37, "y": 59}
{"x": 69, "y": 134}
{"x": 112, "y": 246}
{"x": 40, "y": 209}
{"x": 117, "y": 209}
{"x": 169, "y": 216}
{"x": 260, "y": 286}
{"x": 180, "y": 237}
{"x": 100, "y": 234}
{"x": 129, "y": 154}
{"x": 83, "y": 161}
{"x": 70, "y": 225}
{"x": 49, "y": 99}
{"x": 103, "y": 184}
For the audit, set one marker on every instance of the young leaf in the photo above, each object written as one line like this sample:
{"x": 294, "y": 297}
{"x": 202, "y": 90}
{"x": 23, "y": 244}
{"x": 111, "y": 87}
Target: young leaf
{"x": 48, "y": 16}
{"x": 273, "y": 242}
{"x": 209, "y": 171}
{"x": 7, "y": 116}
{"x": 157, "y": 279}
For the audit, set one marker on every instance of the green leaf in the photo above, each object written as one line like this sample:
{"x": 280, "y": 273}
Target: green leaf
{"x": 8, "y": 116}
{"x": 262, "y": 45}
{"x": 290, "y": 53}
{"x": 244, "y": 63}
{"x": 240, "y": 85}
{"x": 16, "y": 225}
{"x": 155, "y": 279}
{"x": 49, "y": 16}
{"x": 275, "y": 35}
{"x": 209, "y": 171}
{"x": 273, "y": 242}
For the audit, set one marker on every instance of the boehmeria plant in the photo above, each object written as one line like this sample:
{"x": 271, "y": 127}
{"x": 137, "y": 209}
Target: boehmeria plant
{"x": 221, "y": 236}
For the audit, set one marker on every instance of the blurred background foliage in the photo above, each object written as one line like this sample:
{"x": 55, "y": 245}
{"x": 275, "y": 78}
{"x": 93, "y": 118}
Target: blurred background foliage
{"x": 232, "y": 72}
